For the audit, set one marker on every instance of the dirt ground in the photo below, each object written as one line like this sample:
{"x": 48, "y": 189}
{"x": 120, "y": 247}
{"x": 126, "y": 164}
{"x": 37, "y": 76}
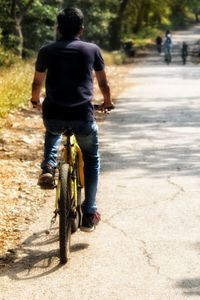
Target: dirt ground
{"x": 21, "y": 150}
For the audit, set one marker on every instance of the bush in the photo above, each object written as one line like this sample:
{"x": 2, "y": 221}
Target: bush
{"x": 114, "y": 57}
{"x": 7, "y": 58}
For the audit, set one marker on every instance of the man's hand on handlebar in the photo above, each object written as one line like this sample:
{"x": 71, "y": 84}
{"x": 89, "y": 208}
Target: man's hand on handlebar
{"x": 37, "y": 104}
{"x": 104, "y": 107}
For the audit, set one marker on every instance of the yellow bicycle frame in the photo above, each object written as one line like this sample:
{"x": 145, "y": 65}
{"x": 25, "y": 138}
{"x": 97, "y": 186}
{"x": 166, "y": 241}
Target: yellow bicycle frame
{"x": 70, "y": 152}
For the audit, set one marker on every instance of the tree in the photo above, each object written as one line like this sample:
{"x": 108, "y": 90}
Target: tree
{"x": 194, "y": 5}
{"x": 15, "y": 12}
{"x": 26, "y": 24}
{"x": 98, "y": 15}
{"x": 39, "y": 25}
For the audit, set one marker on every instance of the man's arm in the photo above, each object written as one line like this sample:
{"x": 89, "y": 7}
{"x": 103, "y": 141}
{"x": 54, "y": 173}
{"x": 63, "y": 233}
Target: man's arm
{"x": 37, "y": 87}
{"x": 105, "y": 89}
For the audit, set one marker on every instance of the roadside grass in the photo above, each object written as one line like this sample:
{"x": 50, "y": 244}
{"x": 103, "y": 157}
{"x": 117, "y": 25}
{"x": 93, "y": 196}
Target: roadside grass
{"x": 114, "y": 57}
{"x": 15, "y": 86}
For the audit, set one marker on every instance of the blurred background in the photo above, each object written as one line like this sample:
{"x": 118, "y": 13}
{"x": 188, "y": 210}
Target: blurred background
{"x": 119, "y": 27}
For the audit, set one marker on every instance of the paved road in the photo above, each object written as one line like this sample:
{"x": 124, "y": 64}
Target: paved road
{"x": 148, "y": 244}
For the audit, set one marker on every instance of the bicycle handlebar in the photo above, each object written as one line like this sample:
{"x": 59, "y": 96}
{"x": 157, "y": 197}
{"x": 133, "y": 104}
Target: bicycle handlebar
{"x": 98, "y": 107}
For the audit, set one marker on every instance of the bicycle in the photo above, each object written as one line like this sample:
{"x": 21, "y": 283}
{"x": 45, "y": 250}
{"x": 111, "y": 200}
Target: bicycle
{"x": 69, "y": 182}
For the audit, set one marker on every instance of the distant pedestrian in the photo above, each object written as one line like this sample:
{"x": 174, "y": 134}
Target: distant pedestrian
{"x": 159, "y": 44}
{"x": 167, "y": 46}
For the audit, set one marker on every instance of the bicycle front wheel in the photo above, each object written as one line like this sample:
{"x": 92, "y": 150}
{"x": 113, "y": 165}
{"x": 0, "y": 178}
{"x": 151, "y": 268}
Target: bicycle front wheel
{"x": 76, "y": 220}
{"x": 65, "y": 214}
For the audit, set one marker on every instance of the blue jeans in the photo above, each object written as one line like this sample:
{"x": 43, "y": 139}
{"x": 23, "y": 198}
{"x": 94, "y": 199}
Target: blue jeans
{"x": 87, "y": 138}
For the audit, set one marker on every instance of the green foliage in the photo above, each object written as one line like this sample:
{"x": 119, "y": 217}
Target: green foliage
{"x": 40, "y": 22}
{"x": 27, "y": 24}
{"x": 147, "y": 32}
{"x": 98, "y": 15}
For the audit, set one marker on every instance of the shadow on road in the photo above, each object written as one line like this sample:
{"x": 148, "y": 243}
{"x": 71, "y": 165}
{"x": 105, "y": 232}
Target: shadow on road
{"x": 172, "y": 72}
{"x": 190, "y": 286}
{"x": 154, "y": 138}
{"x": 32, "y": 260}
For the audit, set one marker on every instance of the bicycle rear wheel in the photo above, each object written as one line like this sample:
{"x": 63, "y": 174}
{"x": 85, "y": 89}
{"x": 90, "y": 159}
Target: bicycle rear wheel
{"x": 65, "y": 214}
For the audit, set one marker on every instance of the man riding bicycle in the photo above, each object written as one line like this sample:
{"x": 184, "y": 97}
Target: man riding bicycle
{"x": 68, "y": 65}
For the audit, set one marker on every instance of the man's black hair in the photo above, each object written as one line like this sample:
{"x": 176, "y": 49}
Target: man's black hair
{"x": 70, "y": 21}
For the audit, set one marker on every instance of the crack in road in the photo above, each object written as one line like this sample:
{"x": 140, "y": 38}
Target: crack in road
{"x": 180, "y": 189}
{"x": 148, "y": 257}
{"x": 107, "y": 221}
{"x": 115, "y": 227}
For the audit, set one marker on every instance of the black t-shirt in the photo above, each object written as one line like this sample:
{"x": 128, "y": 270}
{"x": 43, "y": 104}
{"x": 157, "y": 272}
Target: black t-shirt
{"x": 69, "y": 82}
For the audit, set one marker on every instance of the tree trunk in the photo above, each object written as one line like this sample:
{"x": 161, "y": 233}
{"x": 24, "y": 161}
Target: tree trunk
{"x": 139, "y": 20}
{"x": 197, "y": 17}
{"x": 18, "y": 29}
{"x": 17, "y": 24}
{"x": 141, "y": 6}
{"x": 115, "y": 26}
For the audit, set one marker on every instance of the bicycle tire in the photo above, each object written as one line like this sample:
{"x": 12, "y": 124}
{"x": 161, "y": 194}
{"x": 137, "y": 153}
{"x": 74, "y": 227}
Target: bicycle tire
{"x": 64, "y": 214}
{"x": 76, "y": 220}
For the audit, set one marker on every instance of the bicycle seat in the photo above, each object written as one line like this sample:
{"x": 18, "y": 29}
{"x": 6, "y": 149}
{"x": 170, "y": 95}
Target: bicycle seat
{"x": 68, "y": 132}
